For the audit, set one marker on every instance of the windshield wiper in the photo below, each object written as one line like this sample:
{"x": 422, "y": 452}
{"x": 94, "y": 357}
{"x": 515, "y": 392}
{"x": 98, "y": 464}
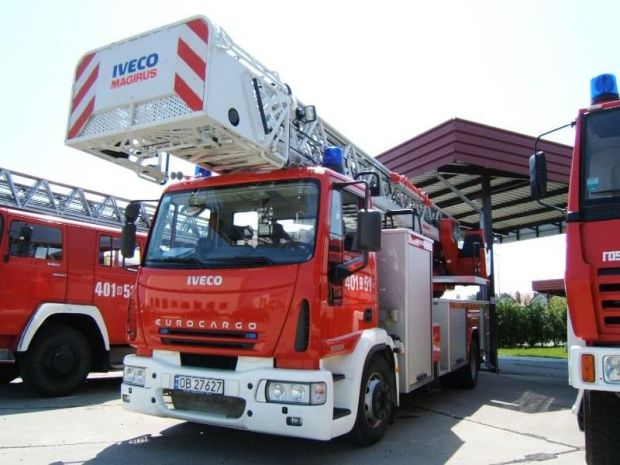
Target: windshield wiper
{"x": 178, "y": 260}
{"x": 240, "y": 260}
{"x": 606, "y": 191}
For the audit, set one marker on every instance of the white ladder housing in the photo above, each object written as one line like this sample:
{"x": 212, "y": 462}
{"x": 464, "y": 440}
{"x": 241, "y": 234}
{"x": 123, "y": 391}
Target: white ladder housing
{"x": 189, "y": 91}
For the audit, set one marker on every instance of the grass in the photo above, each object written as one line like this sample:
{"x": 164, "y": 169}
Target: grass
{"x": 550, "y": 352}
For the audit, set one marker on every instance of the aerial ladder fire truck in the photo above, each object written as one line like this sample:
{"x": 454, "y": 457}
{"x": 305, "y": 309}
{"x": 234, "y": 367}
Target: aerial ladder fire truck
{"x": 592, "y": 276}
{"x": 271, "y": 297}
{"x": 63, "y": 283}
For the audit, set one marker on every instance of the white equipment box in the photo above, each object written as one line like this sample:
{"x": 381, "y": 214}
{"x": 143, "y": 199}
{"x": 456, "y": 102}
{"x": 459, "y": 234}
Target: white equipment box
{"x": 405, "y": 302}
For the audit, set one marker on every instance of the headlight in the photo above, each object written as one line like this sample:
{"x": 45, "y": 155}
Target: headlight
{"x": 611, "y": 368}
{"x": 296, "y": 393}
{"x": 134, "y": 375}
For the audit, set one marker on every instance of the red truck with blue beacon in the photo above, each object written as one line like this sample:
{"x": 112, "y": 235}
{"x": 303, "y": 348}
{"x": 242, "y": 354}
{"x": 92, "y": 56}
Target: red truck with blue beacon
{"x": 64, "y": 285}
{"x": 292, "y": 293}
{"x": 592, "y": 277}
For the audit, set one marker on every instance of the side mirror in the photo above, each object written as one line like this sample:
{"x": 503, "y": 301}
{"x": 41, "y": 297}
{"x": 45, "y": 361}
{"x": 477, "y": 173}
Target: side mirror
{"x": 128, "y": 237}
{"x": 128, "y": 240}
{"x": 369, "y": 230}
{"x": 538, "y": 175}
{"x": 132, "y": 212}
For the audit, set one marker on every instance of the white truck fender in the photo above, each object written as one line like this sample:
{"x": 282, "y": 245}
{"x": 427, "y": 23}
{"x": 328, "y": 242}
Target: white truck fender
{"x": 48, "y": 309}
{"x": 353, "y": 363}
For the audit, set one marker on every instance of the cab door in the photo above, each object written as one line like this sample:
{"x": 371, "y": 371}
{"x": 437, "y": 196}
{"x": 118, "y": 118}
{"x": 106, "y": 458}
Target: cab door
{"x": 113, "y": 284}
{"x": 34, "y": 269}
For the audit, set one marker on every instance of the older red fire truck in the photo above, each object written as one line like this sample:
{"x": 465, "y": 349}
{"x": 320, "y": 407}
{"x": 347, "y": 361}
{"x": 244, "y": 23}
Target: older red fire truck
{"x": 592, "y": 277}
{"x": 271, "y": 297}
{"x": 63, "y": 286}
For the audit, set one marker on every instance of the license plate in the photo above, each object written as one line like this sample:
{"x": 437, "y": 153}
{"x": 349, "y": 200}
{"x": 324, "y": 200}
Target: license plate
{"x": 199, "y": 385}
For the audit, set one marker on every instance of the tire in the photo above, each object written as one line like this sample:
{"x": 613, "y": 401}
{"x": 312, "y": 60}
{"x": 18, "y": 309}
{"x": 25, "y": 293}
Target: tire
{"x": 8, "y": 373}
{"x": 376, "y": 404}
{"x": 467, "y": 376}
{"x": 57, "y": 362}
{"x": 602, "y": 427}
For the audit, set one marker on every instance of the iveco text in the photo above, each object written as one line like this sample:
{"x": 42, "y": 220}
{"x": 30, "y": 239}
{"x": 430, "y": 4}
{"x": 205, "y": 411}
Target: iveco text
{"x": 204, "y": 280}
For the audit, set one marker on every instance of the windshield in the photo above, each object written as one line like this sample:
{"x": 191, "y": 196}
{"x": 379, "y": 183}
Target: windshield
{"x": 261, "y": 224}
{"x": 600, "y": 153}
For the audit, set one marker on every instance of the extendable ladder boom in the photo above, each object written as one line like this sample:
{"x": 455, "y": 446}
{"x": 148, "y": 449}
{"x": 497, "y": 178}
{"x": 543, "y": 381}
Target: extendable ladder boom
{"x": 29, "y": 193}
{"x": 189, "y": 91}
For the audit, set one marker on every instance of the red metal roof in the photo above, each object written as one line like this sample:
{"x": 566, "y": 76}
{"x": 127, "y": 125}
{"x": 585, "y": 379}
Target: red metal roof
{"x": 462, "y": 152}
{"x": 550, "y": 286}
{"x": 461, "y": 141}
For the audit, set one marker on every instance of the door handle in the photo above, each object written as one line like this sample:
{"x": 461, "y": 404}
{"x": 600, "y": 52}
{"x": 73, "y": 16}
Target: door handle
{"x": 60, "y": 275}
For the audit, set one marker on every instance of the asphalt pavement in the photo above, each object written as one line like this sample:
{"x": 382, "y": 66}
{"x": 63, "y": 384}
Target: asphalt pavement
{"x": 521, "y": 415}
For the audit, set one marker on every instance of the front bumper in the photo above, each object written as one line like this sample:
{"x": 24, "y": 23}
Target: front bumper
{"x": 601, "y": 381}
{"x": 242, "y": 406}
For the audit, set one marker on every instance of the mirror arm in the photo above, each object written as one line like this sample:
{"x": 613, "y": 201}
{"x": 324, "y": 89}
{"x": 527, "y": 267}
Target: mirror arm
{"x": 572, "y": 125}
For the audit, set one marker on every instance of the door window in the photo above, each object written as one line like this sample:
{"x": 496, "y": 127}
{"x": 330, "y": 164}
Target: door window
{"x": 35, "y": 241}
{"x": 110, "y": 253}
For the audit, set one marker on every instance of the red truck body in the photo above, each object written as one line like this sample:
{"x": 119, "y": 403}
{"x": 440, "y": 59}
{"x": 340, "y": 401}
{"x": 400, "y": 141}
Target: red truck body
{"x": 236, "y": 329}
{"x": 265, "y": 300}
{"x": 592, "y": 277}
{"x": 60, "y": 276}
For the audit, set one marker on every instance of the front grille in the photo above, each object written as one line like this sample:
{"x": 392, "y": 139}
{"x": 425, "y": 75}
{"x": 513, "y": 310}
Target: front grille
{"x": 239, "y": 340}
{"x": 609, "y": 271}
{"x": 215, "y": 362}
{"x": 212, "y": 404}
{"x": 608, "y": 305}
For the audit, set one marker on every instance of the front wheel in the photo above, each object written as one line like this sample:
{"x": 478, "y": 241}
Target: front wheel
{"x": 57, "y": 362}
{"x": 376, "y": 403}
{"x": 602, "y": 427}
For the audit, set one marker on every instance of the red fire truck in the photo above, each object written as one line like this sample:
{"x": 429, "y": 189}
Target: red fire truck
{"x": 592, "y": 268}
{"x": 63, "y": 284}
{"x": 271, "y": 297}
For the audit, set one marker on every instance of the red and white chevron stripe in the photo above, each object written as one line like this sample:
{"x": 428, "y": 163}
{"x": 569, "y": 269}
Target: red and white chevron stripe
{"x": 189, "y": 80}
{"x": 83, "y": 103}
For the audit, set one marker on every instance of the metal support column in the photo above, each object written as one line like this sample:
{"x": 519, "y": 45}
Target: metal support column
{"x": 487, "y": 220}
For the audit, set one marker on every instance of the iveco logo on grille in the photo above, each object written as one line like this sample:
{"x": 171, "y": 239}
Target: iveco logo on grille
{"x": 204, "y": 280}
{"x": 611, "y": 256}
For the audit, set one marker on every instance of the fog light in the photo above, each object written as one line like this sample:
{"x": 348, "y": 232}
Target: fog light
{"x": 134, "y": 375}
{"x": 611, "y": 368}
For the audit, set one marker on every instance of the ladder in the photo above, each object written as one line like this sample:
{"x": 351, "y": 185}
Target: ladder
{"x": 29, "y": 193}
{"x": 196, "y": 95}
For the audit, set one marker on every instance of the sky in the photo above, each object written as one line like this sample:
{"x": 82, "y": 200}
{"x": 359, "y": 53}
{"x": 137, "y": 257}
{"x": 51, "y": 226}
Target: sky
{"x": 379, "y": 72}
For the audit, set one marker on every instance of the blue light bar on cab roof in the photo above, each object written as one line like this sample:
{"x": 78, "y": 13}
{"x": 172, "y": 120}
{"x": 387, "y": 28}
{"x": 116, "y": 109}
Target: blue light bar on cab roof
{"x": 202, "y": 172}
{"x": 603, "y": 88}
{"x": 333, "y": 158}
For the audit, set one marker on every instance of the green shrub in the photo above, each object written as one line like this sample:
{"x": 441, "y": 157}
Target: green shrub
{"x": 509, "y": 324}
{"x": 532, "y": 324}
{"x": 535, "y": 321}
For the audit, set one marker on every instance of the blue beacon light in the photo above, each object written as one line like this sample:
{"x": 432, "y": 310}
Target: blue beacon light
{"x": 333, "y": 158}
{"x": 603, "y": 88}
{"x": 202, "y": 172}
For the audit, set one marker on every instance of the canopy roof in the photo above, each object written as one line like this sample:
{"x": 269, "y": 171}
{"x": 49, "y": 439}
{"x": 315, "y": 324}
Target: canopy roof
{"x": 449, "y": 161}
